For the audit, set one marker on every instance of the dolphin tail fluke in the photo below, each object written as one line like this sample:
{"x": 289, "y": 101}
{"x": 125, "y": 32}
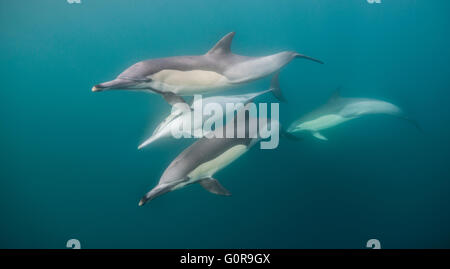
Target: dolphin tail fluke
{"x": 413, "y": 122}
{"x": 275, "y": 87}
{"x": 298, "y": 55}
{"x": 213, "y": 186}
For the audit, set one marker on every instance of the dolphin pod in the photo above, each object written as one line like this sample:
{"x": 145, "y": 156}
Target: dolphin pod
{"x": 217, "y": 70}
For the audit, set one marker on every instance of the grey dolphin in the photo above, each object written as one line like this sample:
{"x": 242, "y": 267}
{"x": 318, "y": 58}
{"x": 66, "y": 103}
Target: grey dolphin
{"x": 219, "y": 68}
{"x": 339, "y": 110}
{"x": 200, "y": 161}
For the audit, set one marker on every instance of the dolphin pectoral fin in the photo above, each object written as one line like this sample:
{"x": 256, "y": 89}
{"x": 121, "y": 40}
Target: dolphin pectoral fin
{"x": 173, "y": 99}
{"x": 319, "y": 136}
{"x": 298, "y": 55}
{"x": 212, "y": 185}
{"x": 223, "y": 46}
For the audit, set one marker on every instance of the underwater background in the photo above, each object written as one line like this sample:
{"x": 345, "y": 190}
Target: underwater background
{"x": 69, "y": 164}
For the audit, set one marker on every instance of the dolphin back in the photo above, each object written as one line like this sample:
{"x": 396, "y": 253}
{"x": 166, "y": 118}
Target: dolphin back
{"x": 359, "y": 107}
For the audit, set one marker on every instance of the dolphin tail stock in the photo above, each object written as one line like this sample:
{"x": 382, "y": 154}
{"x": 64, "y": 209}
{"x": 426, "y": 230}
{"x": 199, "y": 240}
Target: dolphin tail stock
{"x": 298, "y": 55}
{"x": 401, "y": 114}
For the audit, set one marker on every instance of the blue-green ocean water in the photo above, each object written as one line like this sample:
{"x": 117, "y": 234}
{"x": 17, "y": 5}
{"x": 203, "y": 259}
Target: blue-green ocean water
{"x": 69, "y": 164}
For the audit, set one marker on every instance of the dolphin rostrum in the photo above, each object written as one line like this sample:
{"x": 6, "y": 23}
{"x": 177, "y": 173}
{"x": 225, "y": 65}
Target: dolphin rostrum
{"x": 178, "y": 117}
{"x": 338, "y": 110}
{"x": 199, "y": 162}
{"x": 218, "y": 69}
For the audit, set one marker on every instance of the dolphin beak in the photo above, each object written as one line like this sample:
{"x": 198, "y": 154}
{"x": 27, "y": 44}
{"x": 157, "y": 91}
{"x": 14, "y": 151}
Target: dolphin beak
{"x": 117, "y": 83}
{"x": 155, "y": 192}
{"x": 290, "y": 129}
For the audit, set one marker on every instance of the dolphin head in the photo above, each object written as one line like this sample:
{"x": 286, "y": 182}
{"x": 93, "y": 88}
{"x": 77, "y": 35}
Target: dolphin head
{"x": 135, "y": 77}
{"x": 296, "y": 127}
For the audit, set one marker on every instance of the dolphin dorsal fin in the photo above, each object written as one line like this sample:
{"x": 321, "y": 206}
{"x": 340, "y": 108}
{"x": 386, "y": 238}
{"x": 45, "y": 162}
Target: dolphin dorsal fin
{"x": 335, "y": 95}
{"x": 223, "y": 46}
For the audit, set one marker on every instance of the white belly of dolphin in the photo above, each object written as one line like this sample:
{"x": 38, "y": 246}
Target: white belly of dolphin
{"x": 208, "y": 169}
{"x": 187, "y": 82}
{"x": 323, "y": 122}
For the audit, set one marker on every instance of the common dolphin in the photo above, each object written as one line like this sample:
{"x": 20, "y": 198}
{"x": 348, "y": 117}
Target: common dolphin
{"x": 218, "y": 69}
{"x": 200, "y": 161}
{"x": 339, "y": 110}
{"x": 178, "y": 117}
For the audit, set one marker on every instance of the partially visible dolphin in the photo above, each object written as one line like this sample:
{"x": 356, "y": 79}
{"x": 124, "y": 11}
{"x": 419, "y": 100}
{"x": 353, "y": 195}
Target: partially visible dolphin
{"x": 199, "y": 162}
{"x": 177, "y": 117}
{"x": 339, "y": 110}
{"x": 219, "y": 68}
